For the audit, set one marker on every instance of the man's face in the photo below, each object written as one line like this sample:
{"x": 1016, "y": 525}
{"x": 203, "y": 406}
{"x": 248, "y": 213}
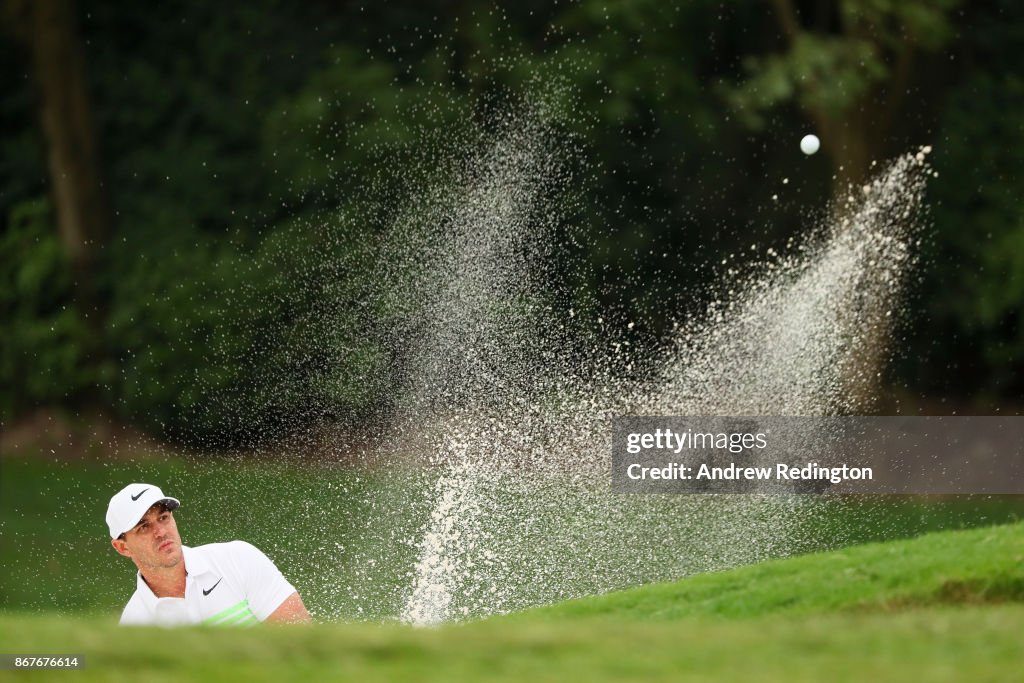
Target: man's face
{"x": 154, "y": 542}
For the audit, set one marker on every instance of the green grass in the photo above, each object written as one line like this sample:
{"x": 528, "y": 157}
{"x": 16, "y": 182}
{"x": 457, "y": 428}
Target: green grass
{"x": 943, "y": 607}
{"x": 337, "y": 534}
{"x": 980, "y": 566}
{"x": 942, "y": 644}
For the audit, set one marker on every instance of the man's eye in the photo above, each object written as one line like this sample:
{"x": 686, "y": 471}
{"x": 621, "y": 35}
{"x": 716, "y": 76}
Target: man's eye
{"x": 143, "y": 527}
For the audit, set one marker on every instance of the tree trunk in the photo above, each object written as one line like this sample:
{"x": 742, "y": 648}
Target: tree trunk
{"x": 65, "y": 117}
{"x": 68, "y": 128}
{"x": 852, "y": 144}
{"x": 853, "y": 139}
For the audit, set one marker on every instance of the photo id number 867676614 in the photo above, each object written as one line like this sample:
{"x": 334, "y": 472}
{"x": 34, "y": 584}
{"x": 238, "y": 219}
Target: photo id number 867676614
{"x": 19, "y": 661}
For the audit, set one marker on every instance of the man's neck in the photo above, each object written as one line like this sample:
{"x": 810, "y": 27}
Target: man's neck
{"x": 166, "y": 583}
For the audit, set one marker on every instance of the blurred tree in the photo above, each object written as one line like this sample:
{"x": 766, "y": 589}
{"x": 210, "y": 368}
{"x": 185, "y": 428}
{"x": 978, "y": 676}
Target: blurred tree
{"x": 966, "y": 338}
{"x": 628, "y": 85}
{"x": 849, "y": 65}
{"x": 43, "y": 360}
{"x": 257, "y": 153}
{"x": 66, "y": 117}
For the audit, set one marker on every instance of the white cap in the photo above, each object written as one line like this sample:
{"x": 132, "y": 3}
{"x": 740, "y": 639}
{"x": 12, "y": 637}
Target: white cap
{"x": 131, "y": 503}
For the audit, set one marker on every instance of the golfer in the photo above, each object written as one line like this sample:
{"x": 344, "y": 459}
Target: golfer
{"x": 218, "y": 583}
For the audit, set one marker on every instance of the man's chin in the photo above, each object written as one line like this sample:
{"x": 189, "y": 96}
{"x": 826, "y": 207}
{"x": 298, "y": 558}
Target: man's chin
{"x": 170, "y": 556}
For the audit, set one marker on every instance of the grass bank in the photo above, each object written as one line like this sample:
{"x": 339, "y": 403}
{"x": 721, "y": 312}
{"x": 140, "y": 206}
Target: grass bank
{"x": 943, "y": 607}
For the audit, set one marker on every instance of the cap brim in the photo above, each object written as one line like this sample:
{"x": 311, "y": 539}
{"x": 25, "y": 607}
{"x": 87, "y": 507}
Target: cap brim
{"x": 143, "y": 507}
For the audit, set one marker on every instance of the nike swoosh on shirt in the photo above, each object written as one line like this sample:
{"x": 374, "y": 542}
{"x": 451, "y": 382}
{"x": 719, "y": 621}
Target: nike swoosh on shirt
{"x": 136, "y": 496}
{"x": 207, "y": 592}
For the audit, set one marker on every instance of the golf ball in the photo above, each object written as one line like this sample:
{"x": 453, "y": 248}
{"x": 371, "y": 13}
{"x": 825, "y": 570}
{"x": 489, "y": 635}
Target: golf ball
{"x": 810, "y": 144}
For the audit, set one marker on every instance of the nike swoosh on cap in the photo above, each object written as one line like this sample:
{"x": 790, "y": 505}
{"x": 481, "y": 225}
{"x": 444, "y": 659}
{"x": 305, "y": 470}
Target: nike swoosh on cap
{"x": 137, "y": 495}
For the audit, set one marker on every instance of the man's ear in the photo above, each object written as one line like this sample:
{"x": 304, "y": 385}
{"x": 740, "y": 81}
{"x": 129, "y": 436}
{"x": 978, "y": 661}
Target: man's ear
{"x": 121, "y": 547}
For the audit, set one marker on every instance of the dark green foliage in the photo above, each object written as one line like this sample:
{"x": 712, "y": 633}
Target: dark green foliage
{"x": 43, "y": 332}
{"x": 254, "y": 155}
{"x": 968, "y": 339}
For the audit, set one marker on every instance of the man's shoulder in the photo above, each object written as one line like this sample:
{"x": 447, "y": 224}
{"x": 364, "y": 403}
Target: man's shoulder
{"x": 224, "y": 549}
{"x": 240, "y": 560}
{"x": 229, "y": 556}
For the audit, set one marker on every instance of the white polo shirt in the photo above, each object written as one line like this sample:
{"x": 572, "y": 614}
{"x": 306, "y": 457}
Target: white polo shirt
{"x": 225, "y": 583}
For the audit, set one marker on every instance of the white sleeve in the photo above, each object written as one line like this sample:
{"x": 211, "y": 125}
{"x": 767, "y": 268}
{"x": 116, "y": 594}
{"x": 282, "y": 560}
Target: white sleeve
{"x": 265, "y": 586}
